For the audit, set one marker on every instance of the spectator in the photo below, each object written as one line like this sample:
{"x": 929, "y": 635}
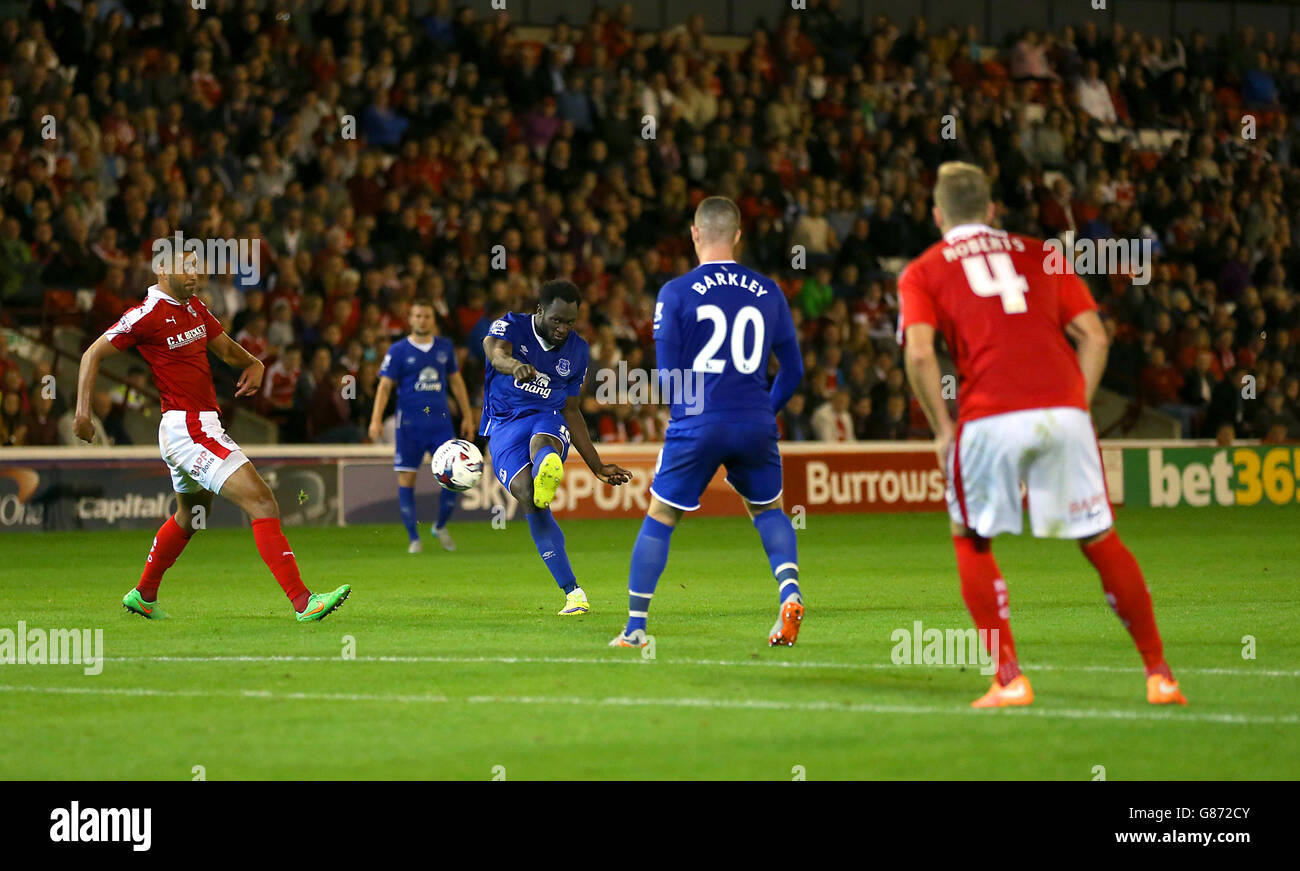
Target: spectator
{"x": 13, "y": 423}
{"x": 42, "y": 422}
{"x": 832, "y": 422}
{"x": 1275, "y": 421}
{"x": 795, "y": 425}
{"x": 279, "y": 387}
{"x": 1094, "y": 96}
{"x": 894, "y": 423}
{"x": 1198, "y": 386}
{"x": 329, "y": 418}
{"x": 100, "y": 406}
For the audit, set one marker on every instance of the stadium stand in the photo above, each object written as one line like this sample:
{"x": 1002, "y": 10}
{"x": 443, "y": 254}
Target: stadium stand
{"x": 488, "y": 158}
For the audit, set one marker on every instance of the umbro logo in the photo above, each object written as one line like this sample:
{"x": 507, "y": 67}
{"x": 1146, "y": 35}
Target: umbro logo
{"x": 523, "y": 349}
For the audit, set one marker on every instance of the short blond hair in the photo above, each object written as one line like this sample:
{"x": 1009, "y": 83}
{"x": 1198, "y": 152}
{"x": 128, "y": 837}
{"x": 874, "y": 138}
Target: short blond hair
{"x": 962, "y": 193}
{"x": 718, "y": 219}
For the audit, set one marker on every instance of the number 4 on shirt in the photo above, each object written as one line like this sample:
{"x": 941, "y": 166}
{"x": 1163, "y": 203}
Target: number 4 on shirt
{"x": 994, "y": 274}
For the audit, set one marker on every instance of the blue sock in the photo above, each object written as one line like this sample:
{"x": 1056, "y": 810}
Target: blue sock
{"x": 406, "y": 499}
{"x": 649, "y": 556}
{"x": 541, "y": 455}
{"x": 446, "y": 505}
{"x": 550, "y": 544}
{"x": 777, "y": 535}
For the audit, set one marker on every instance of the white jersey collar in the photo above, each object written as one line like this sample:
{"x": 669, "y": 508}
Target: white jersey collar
{"x": 546, "y": 346}
{"x": 961, "y": 231}
{"x": 155, "y": 292}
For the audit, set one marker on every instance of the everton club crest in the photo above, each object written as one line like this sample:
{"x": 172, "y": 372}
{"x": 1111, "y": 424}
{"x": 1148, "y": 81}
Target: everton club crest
{"x": 562, "y": 367}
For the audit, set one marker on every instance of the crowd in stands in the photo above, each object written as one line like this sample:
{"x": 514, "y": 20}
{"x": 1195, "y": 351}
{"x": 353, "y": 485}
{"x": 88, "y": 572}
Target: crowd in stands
{"x": 484, "y": 163}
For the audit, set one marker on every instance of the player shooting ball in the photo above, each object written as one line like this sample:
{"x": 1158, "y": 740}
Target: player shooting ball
{"x": 1022, "y": 417}
{"x": 173, "y": 331}
{"x": 537, "y": 364}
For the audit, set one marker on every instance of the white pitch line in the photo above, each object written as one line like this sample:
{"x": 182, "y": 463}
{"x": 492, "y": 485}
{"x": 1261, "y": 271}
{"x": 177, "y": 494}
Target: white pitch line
{"x": 1176, "y": 716}
{"x": 725, "y": 663}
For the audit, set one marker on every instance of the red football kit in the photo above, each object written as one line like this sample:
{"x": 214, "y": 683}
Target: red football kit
{"x": 173, "y": 337}
{"x": 1022, "y": 422}
{"x": 1002, "y": 316}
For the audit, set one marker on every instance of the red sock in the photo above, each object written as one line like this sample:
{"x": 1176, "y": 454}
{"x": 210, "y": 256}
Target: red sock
{"x": 986, "y": 598}
{"x": 278, "y": 556}
{"x": 167, "y": 546}
{"x": 1129, "y": 598}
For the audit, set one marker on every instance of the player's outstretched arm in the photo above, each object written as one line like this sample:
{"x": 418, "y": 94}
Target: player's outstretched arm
{"x": 232, "y": 353}
{"x": 500, "y": 356}
{"x": 607, "y": 472}
{"x": 87, "y": 372}
{"x": 382, "y": 390}
{"x": 1092, "y": 346}
{"x": 923, "y": 373}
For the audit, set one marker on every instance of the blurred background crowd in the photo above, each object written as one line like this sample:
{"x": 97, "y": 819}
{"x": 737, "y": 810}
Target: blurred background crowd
{"x": 485, "y": 162}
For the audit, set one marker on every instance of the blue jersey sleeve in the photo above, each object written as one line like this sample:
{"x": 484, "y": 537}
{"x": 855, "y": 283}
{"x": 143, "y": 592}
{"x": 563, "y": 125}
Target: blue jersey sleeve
{"x": 785, "y": 344}
{"x": 391, "y": 367}
{"x": 668, "y": 346}
{"x": 574, "y": 387}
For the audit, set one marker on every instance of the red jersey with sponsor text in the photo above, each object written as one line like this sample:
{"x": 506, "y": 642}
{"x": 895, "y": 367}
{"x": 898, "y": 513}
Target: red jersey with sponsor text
{"x": 1003, "y": 316}
{"x": 173, "y": 337}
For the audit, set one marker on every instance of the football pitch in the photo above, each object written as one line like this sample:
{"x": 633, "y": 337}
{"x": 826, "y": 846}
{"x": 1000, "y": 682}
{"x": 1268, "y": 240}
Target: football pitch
{"x": 462, "y": 670}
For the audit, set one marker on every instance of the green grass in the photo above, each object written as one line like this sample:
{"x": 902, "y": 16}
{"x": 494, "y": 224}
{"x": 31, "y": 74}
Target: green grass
{"x": 715, "y": 703}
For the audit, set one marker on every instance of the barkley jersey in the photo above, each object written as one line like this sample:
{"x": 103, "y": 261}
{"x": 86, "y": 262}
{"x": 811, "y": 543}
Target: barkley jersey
{"x": 173, "y": 337}
{"x": 560, "y": 373}
{"x": 1003, "y": 317}
{"x": 715, "y": 329}
{"x": 420, "y": 373}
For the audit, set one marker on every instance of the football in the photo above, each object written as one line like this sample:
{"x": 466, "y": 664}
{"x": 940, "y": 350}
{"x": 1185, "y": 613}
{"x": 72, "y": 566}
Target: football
{"x": 457, "y": 465}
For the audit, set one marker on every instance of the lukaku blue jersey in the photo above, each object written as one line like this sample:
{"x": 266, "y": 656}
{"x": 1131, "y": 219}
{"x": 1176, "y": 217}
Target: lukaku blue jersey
{"x": 560, "y": 373}
{"x": 421, "y": 377}
{"x": 718, "y": 324}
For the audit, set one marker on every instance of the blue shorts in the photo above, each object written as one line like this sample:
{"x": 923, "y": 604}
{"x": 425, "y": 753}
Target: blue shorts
{"x": 508, "y": 443}
{"x": 690, "y": 457}
{"x": 413, "y": 442}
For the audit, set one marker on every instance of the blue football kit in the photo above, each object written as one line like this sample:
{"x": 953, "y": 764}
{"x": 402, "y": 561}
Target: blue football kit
{"x": 514, "y": 411}
{"x": 423, "y": 419}
{"x": 715, "y": 329}
{"x": 718, "y": 325}
{"x": 420, "y": 372}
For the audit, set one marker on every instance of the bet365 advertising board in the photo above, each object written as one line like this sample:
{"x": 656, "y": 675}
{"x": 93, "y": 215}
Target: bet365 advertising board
{"x": 1253, "y": 476}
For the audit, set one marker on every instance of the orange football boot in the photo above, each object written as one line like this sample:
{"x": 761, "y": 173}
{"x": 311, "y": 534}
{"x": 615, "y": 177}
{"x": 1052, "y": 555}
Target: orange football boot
{"x": 786, "y": 630}
{"x": 1164, "y": 692}
{"x": 1018, "y": 692}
